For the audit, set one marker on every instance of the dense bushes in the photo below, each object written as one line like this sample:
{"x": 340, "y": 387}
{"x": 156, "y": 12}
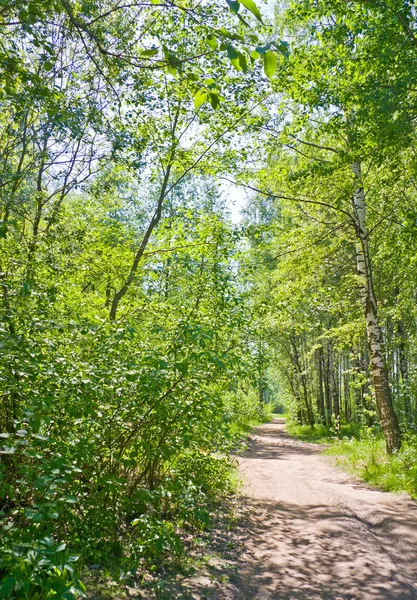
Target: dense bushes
{"x": 115, "y": 435}
{"x": 112, "y": 455}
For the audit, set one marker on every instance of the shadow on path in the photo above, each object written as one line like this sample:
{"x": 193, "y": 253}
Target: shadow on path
{"x": 318, "y": 553}
{"x": 308, "y": 531}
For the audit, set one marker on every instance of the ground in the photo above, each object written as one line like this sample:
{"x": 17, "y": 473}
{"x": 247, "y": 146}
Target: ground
{"x": 321, "y": 534}
{"x": 308, "y": 531}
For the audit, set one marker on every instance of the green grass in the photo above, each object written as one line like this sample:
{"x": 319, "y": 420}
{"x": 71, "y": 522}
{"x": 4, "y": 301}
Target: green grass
{"x": 322, "y": 434}
{"x": 361, "y": 451}
{"x": 279, "y": 416}
{"x": 367, "y": 458}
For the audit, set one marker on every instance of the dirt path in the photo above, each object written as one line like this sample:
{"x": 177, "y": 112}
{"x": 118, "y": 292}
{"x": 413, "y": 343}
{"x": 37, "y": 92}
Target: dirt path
{"x": 317, "y": 534}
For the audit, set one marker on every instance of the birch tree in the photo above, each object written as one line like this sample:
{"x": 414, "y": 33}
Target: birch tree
{"x": 387, "y": 415}
{"x": 341, "y": 66}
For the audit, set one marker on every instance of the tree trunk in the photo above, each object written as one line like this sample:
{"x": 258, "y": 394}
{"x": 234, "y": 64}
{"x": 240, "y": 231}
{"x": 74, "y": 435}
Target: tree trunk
{"x": 403, "y": 367}
{"x": 383, "y": 399}
{"x": 320, "y": 398}
{"x": 326, "y": 365}
{"x": 302, "y": 378}
{"x": 334, "y": 374}
{"x": 346, "y": 390}
{"x": 147, "y": 235}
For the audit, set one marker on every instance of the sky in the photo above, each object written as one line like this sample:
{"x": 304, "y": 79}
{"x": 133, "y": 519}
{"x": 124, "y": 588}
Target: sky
{"x": 236, "y": 196}
{"x": 236, "y": 199}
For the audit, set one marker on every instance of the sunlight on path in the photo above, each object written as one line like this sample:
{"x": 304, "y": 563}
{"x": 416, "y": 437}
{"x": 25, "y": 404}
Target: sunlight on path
{"x": 318, "y": 534}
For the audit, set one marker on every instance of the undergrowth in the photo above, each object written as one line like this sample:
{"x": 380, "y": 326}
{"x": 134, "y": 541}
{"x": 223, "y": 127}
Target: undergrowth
{"x": 322, "y": 434}
{"x": 361, "y": 450}
{"x": 367, "y": 458}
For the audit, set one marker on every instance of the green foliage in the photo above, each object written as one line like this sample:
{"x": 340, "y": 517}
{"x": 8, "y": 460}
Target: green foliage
{"x": 270, "y": 63}
{"x": 367, "y": 458}
{"x": 243, "y": 409}
{"x": 323, "y": 434}
{"x": 115, "y": 436}
{"x": 39, "y": 569}
{"x": 138, "y": 326}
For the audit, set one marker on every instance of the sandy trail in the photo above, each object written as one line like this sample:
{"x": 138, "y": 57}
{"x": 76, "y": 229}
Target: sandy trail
{"x": 316, "y": 533}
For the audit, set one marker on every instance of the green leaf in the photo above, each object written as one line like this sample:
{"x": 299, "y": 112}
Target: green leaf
{"x": 251, "y": 6}
{"x": 214, "y": 100}
{"x": 210, "y": 83}
{"x": 60, "y": 547}
{"x": 71, "y": 500}
{"x": 150, "y": 52}
{"x": 200, "y": 98}
{"x": 243, "y": 62}
{"x": 7, "y": 587}
{"x": 132, "y": 376}
{"x": 283, "y": 48}
{"x": 231, "y": 36}
{"x": 8, "y": 450}
{"x": 234, "y": 6}
{"x": 173, "y": 70}
{"x": 174, "y": 63}
{"x": 270, "y": 63}
{"x": 262, "y": 49}
{"x": 211, "y": 41}
{"x": 233, "y": 55}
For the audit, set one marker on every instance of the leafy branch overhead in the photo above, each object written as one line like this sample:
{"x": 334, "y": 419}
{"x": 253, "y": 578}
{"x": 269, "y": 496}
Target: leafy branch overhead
{"x": 142, "y": 329}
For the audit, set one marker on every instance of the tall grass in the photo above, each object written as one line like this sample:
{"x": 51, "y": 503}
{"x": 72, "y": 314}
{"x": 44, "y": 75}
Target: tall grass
{"x": 361, "y": 451}
{"x": 322, "y": 434}
{"x": 367, "y": 458}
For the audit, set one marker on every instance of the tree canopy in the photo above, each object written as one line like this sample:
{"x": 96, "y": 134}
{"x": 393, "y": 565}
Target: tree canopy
{"x": 141, "y": 330}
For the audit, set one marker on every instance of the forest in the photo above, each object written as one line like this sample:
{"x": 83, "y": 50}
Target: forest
{"x": 143, "y": 330}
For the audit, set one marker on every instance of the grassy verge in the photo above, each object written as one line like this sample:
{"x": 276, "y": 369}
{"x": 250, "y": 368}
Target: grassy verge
{"x": 361, "y": 451}
{"x": 367, "y": 458}
{"x": 322, "y": 434}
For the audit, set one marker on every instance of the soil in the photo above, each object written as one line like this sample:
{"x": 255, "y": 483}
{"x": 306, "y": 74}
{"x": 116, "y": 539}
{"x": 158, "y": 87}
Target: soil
{"x": 317, "y": 533}
{"x": 306, "y": 531}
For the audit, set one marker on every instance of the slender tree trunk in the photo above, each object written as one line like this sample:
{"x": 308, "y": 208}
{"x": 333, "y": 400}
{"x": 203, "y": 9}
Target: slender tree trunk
{"x": 326, "y": 365}
{"x": 301, "y": 373}
{"x": 346, "y": 390}
{"x": 320, "y": 398}
{"x": 383, "y": 399}
{"x": 357, "y": 378}
{"x": 334, "y": 374}
{"x": 140, "y": 252}
{"x": 402, "y": 355}
{"x": 403, "y": 366}
{"x": 147, "y": 235}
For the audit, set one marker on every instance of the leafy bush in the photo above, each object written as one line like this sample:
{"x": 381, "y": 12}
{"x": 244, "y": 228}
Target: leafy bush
{"x": 39, "y": 570}
{"x": 117, "y": 447}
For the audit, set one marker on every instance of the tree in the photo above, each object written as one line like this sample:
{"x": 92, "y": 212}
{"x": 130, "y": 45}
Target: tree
{"x": 351, "y": 111}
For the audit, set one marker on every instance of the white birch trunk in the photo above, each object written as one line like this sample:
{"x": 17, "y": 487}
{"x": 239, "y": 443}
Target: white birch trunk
{"x": 385, "y": 409}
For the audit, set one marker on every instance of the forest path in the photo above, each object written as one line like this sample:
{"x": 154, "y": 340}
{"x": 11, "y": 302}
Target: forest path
{"x": 315, "y": 533}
